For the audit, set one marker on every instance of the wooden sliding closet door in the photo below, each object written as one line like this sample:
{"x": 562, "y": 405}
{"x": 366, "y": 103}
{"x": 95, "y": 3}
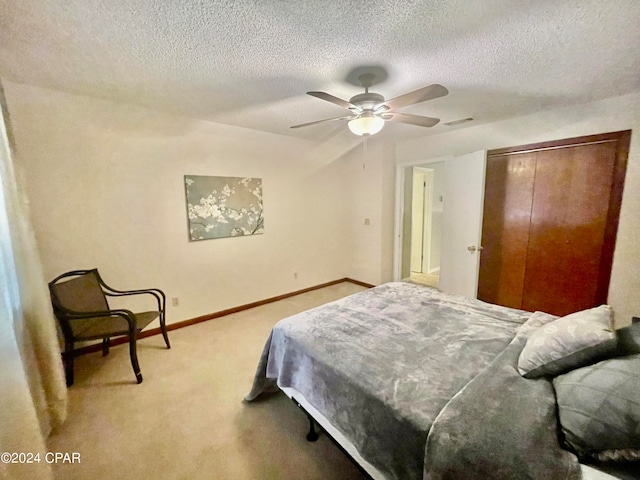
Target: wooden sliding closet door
{"x": 508, "y": 196}
{"x": 567, "y": 234}
{"x": 550, "y": 221}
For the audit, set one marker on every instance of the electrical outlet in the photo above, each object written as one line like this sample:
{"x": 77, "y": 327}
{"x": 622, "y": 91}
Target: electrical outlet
{"x": 295, "y": 275}
{"x": 367, "y": 221}
{"x": 175, "y": 301}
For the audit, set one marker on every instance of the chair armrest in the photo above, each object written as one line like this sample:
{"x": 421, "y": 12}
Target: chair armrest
{"x": 76, "y": 315}
{"x": 157, "y": 293}
{"x": 114, "y": 292}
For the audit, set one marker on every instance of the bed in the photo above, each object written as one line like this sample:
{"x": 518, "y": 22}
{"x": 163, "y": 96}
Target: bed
{"x": 414, "y": 383}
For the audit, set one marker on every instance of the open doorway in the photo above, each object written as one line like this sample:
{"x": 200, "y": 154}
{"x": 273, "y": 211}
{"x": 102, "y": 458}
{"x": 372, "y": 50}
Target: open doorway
{"x": 456, "y": 220}
{"x": 422, "y": 223}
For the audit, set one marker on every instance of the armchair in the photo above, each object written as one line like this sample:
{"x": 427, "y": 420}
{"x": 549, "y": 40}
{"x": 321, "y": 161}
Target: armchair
{"x": 79, "y": 300}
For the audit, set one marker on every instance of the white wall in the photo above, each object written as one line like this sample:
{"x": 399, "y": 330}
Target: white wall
{"x": 620, "y": 113}
{"x": 371, "y": 184}
{"x": 105, "y": 183}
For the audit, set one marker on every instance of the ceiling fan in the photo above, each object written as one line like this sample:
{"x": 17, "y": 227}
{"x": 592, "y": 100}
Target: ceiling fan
{"x": 369, "y": 111}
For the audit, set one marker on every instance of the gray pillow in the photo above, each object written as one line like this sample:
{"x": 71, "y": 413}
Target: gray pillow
{"x": 628, "y": 340}
{"x": 569, "y": 342}
{"x": 599, "y": 409}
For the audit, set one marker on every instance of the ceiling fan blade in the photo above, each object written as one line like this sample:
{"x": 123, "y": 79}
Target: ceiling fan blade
{"x": 417, "y": 96}
{"x": 418, "y": 120}
{"x": 330, "y": 98}
{"x": 346, "y": 117}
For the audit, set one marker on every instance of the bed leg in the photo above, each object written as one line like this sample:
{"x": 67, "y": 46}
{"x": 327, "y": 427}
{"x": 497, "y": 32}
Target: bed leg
{"x": 312, "y": 436}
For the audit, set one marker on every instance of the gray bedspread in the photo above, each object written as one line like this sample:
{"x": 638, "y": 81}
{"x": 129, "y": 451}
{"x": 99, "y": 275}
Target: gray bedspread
{"x": 500, "y": 426}
{"x": 382, "y": 365}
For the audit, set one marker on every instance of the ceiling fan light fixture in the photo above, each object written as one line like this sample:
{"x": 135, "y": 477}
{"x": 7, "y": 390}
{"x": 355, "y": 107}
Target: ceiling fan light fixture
{"x": 366, "y": 125}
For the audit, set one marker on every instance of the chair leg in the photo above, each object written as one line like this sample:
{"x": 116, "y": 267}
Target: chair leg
{"x": 105, "y": 346}
{"x": 134, "y": 358}
{"x": 163, "y": 329}
{"x": 68, "y": 362}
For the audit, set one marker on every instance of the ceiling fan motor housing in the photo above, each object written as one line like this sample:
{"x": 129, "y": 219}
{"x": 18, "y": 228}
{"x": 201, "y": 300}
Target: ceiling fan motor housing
{"x": 367, "y": 101}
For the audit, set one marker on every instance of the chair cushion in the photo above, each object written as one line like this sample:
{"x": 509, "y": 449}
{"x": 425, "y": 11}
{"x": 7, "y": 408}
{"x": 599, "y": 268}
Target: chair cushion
{"x": 569, "y": 342}
{"x": 599, "y": 409}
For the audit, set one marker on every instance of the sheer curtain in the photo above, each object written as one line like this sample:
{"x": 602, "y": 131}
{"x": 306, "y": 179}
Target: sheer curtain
{"x": 33, "y": 394}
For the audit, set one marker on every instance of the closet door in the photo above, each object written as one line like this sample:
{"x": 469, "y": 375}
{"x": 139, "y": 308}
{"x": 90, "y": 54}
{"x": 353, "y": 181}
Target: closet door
{"x": 506, "y": 220}
{"x": 568, "y": 222}
{"x": 550, "y": 221}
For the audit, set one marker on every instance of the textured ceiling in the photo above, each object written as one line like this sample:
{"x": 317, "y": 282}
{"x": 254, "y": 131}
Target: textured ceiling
{"x": 249, "y": 62}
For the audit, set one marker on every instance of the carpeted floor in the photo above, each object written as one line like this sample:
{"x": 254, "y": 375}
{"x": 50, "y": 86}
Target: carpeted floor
{"x": 187, "y": 419}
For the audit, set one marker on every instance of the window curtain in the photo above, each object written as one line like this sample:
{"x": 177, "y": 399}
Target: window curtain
{"x": 33, "y": 394}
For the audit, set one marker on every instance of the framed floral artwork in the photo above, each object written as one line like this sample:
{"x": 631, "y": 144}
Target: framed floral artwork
{"x": 220, "y": 207}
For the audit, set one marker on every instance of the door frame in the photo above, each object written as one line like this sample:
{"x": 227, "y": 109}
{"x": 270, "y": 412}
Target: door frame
{"x": 426, "y": 190}
{"x": 427, "y": 216}
{"x": 398, "y": 237}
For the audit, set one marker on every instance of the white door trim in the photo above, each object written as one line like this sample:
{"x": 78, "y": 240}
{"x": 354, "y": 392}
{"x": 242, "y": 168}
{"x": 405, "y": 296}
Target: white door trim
{"x": 427, "y": 213}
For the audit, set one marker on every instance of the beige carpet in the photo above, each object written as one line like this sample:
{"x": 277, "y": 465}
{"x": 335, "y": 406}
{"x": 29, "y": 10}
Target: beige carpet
{"x": 187, "y": 419}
